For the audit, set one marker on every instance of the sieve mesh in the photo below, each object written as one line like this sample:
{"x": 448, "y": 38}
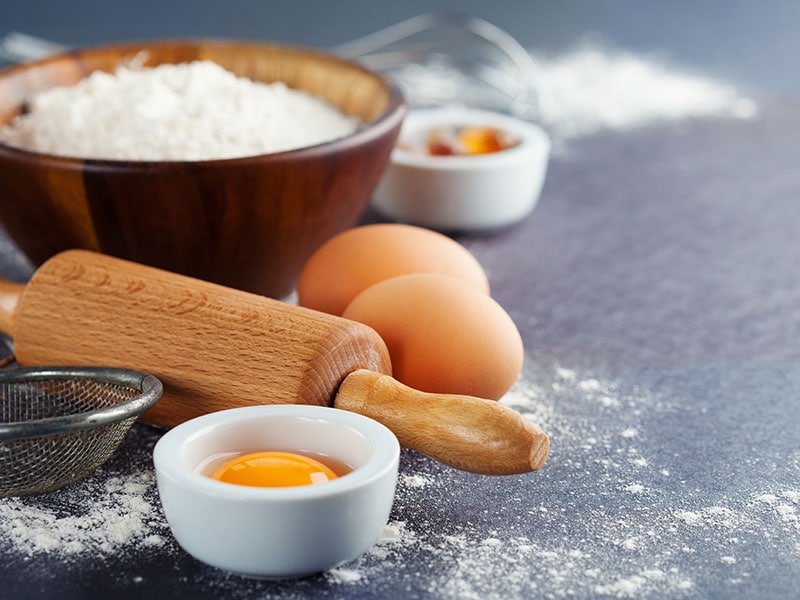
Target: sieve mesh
{"x": 59, "y": 425}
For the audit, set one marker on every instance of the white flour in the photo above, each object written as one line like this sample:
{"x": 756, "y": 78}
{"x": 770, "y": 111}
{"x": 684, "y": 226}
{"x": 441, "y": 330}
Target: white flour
{"x": 594, "y": 88}
{"x": 95, "y": 518}
{"x": 589, "y": 89}
{"x": 200, "y": 111}
{"x": 193, "y": 111}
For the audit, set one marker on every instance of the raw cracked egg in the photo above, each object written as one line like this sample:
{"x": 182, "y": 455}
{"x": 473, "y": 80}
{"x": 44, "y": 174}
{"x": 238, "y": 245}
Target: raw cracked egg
{"x": 273, "y": 469}
{"x": 443, "y": 335}
{"x": 267, "y": 517}
{"x": 358, "y": 258}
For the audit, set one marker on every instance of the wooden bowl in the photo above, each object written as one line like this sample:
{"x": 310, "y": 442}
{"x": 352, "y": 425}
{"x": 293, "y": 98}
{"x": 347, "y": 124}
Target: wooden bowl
{"x": 248, "y": 223}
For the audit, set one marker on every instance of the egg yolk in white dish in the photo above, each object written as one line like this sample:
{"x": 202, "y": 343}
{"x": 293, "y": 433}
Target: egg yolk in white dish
{"x": 465, "y": 141}
{"x": 273, "y": 469}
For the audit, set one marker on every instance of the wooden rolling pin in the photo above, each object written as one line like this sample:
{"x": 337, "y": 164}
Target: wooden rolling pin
{"x": 215, "y": 348}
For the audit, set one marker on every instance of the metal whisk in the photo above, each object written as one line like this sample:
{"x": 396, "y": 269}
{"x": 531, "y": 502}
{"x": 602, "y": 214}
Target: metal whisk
{"x": 452, "y": 58}
{"x": 59, "y": 424}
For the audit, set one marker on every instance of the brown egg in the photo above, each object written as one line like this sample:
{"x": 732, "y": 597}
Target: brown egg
{"x": 358, "y": 258}
{"x": 443, "y": 335}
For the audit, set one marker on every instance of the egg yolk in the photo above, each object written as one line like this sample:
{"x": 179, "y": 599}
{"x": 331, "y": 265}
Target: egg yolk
{"x": 468, "y": 141}
{"x": 273, "y": 469}
{"x": 485, "y": 140}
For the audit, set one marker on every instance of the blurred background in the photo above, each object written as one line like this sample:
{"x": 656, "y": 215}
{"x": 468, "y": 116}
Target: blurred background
{"x": 748, "y": 43}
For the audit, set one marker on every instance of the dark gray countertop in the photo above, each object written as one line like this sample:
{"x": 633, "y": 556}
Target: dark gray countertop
{"x": 657, "y": 289}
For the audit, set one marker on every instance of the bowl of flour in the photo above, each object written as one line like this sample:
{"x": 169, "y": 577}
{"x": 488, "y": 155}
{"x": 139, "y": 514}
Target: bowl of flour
{"x": 223, "y": 160}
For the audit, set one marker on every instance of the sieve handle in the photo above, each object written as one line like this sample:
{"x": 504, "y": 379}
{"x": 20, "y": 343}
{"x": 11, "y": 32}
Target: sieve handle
{"x": 10, "y": 293}
{"x": 465, "y": 432}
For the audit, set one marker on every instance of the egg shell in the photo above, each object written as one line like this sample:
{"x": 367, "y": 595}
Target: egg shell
{"x": 358, "y": 258}
{"x": 443, "y": 335}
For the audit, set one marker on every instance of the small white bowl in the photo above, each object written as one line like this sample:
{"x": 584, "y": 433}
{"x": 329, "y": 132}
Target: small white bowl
{"x": 463, "y": 192}
{"x": 284, "y": 532}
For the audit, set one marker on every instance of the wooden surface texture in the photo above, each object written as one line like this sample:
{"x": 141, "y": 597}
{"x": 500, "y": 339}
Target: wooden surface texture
{"x": 212, "y": 347}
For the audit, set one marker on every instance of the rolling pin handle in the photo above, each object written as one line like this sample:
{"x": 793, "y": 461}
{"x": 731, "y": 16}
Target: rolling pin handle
{"x": 468, "y": 433}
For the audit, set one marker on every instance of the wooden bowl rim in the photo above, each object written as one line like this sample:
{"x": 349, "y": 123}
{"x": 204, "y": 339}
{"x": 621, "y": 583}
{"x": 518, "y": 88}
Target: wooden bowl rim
{"x": 391, "y": 117}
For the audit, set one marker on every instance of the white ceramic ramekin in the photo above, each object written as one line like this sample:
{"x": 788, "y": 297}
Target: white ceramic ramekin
{"x": 463, "y": 193}
{"x": 277, "y": 532}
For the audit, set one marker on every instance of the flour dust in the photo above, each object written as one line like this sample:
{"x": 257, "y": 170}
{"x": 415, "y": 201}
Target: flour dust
{"x": 611, "y": 514}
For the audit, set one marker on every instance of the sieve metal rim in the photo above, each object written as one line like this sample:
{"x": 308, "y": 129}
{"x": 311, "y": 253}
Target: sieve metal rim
{"x": 149, "y": 386}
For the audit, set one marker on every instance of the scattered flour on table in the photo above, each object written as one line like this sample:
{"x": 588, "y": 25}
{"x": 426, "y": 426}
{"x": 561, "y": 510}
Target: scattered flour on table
{"x": 343, "y": 575}
{"x": 632, "y": 544}
{"x": 189, "y": 111}
{"x": 414, "y": 481}
{"x": 620, "y": 536}
{"x": 90, "y": 517}
{"x": 593, "y": 88}
{"x": 587, "y": 89}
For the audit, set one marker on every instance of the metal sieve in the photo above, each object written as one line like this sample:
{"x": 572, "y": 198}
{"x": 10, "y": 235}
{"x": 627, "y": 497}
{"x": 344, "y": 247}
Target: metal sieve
{"x": 58, "y": 424}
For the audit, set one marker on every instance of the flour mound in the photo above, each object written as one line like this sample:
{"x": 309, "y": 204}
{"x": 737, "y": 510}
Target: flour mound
{"x": 190, "y": 111}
